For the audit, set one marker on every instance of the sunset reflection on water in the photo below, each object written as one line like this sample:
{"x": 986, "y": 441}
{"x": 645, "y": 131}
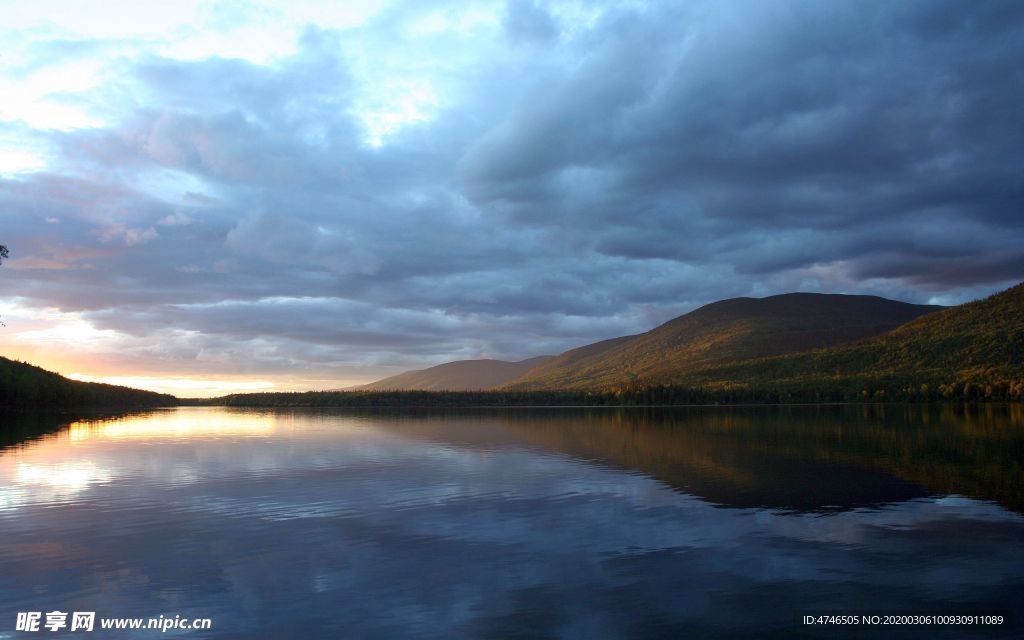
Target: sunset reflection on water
{"x": 178, "y": 424}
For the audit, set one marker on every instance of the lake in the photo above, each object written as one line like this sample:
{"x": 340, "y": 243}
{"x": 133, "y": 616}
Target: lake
{"x": 530, "y": 523}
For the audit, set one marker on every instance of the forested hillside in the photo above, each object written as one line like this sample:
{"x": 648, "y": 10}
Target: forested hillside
{"x": 975, "y": 350}
{"x": 24, "y": 386}
{"x": 720, "y": 333}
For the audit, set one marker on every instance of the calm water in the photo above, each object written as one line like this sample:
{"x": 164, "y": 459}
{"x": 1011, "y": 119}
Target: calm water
{"x": 515, "y": 524}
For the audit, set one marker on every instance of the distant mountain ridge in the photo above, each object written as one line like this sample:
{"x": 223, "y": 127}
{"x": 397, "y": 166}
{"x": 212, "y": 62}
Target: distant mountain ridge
{"x": 461, "y": 375}
{"x": 972, "y": 352}
{"x": 720, "y": 333}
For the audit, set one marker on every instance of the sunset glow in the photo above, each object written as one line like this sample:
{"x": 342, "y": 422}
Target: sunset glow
{"x": 183, "y": 387}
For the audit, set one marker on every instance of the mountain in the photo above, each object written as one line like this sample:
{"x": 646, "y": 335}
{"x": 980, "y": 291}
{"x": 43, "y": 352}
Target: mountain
{"x": 24, "y": 386}
{"x": 461, "y": 375}
{"x": 965, "y": 350}
{"x": 567, "y": 362}
{"x": 971, "y": 352}
{"x": 720, "y": 333}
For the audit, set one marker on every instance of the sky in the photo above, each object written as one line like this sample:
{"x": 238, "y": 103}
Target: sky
{"x": 210, "y": 197}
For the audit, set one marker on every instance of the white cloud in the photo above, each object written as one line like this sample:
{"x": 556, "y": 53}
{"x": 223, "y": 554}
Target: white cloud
{"x": 129, "y": 236}
{"x": 176, "y": 219}
{"x": 15, "y": 161}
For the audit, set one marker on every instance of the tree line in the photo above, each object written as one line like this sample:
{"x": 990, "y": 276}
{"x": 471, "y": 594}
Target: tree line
{"x": 639, "y": 394}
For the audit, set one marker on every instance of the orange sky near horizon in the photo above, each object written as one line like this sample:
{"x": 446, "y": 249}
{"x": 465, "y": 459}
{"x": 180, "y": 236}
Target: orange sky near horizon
{"x": 66, "y": 344}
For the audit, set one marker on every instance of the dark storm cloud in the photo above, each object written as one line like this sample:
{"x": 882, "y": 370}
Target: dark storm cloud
{"x": 772, "y": 120}
{"x": 587, "y": 179}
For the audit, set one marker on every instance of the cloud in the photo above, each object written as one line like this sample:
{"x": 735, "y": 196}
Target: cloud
{"x": 128, "y": 236}
{"x": 176, "y": 219}
{"x": 518, "y": 178}
{"x": 529, "y": 22}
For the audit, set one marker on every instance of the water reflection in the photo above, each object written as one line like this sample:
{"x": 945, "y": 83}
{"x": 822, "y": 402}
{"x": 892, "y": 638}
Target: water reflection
{"x": 800, "y": 458}
{"x": 560, "y": 523}
{"x": 186, "y": 425}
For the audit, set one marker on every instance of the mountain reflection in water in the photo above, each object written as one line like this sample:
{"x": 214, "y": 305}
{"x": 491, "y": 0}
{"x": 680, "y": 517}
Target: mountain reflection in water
{"x": 598, "y": 523}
